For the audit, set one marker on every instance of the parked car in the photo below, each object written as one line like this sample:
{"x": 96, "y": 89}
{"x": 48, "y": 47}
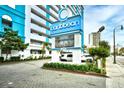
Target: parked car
{"x": 66, "y": 57}
{"x": 86, "y": 57}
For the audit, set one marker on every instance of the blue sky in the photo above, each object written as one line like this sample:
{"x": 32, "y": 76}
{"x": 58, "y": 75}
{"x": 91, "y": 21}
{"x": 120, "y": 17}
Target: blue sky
{"x": 108, "y": 15}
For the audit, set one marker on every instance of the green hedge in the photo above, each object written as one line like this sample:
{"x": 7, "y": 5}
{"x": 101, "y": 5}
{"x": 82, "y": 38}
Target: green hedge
{"x": 16, "y": 58}
{"x": 1, "y": 59}
{"x": 48, "y": 57}
{"x": 73, "y": 67}
{"x": 31, "y": 58}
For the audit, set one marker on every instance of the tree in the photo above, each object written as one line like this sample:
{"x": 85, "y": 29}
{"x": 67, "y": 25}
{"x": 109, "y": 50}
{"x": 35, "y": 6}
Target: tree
{"x": 11, "y": 41}
{"x": 102, "y": 53}
{"x": 104, "y": 44}
{"x": 45, "y": 46}
{"x": 93, "y": 53}
{"x": 121, "y": 51}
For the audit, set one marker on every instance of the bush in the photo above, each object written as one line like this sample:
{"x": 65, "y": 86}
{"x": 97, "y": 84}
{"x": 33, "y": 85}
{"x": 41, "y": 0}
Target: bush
{"x": 73, "y": 67}
{"x": 1, "y": 59}
{"x": 35, "y": 58}
{"x": 29, "y": 58}
{"x": 48, "y": 57}
{"x": 15, "y": 58}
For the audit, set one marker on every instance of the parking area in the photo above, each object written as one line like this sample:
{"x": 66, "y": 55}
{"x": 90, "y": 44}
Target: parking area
{"x": 31, "y": 75}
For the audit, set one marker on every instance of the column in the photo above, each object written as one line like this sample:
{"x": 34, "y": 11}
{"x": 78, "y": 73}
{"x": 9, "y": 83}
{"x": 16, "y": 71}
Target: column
{"x": 55, "y": 56}
{"x": 76, "y": 56}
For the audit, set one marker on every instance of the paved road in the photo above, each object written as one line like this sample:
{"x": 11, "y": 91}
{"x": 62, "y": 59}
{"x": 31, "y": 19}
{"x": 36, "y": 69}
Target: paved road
{"x": 30, "y": 75}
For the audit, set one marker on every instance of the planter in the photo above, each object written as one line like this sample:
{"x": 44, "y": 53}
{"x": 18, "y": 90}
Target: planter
{"x": 85, "y": 69}
{"x": 74, "y": 72}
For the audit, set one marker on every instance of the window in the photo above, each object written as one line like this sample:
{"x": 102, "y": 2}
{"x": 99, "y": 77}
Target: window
{"x": 49, "y": 52}
{"x": 12, "y": 6}
{"x": 35, "y": 51}
{"x": 64, "y": 41}
{"x": 5, "y": 52}
{"x": 6, "y": 21}
{"x": 70, "y": 55}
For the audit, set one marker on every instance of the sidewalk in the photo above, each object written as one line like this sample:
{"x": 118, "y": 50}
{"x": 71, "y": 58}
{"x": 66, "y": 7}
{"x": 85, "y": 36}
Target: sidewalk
{"x": 115, "y": 74}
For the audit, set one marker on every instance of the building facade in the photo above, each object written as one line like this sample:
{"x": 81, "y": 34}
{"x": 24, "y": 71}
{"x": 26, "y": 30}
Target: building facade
{"x": 39, "y": 18}
{"x": 94, "y": 39}
{"x": 33, "y": 23}
{"x": 12, "y": 18}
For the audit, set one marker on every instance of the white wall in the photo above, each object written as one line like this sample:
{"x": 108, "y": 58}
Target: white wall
{"x": 0, "y": 52}
{"x": 13, "y": 53}
{"x": 77, "y": 40}
{"x": 55, "y": 56}
{"x": 76, "y": 56}
{"x": 27, "y": 29}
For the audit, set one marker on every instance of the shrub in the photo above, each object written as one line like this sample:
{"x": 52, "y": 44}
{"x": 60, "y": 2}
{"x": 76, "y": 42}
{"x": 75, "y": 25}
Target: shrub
{"x": 29, "y": 58}
{"x": 35, "y": 58}
{"x": 15, "y": 58}
{"x": 48, "y": 57}
{"x": 73, "y": 67}
{"x": 40, "y": 57}
{"x": 1, "y": 59}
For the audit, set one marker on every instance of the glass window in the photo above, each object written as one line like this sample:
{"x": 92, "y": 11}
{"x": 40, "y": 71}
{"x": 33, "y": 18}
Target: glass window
{"x": 6, "y": 21}
{"x": 12, "y": 6}
{"x": 70, "y": 55}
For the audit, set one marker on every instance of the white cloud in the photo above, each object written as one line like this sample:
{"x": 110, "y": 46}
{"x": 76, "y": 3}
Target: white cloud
{"x": 109, "y": 16}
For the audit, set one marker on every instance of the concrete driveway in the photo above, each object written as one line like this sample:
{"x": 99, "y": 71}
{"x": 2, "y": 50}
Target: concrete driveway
{"x": 30, "y": 75}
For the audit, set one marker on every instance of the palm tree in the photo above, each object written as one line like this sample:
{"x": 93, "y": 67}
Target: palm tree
{"x": 45, "y": 46}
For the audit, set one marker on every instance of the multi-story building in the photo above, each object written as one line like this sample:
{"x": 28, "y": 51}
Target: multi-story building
{"x": 94, "y": 39}
{"x": 13, "y": 18}
{"x": 38, "y": 19}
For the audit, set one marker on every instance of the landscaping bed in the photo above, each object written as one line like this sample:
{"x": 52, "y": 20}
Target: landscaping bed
{"x": 17, "y": 59}
{"x": 88, "y": 69}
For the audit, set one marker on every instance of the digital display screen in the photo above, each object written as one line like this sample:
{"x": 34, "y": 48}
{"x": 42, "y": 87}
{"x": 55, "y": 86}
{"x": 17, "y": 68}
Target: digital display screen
{"x": 64, "y": 41}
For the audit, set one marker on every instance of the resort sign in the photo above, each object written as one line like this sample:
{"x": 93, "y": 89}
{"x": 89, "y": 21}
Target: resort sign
{"x": 70, "y": 25}
{"x": 66, "y": 24}
{"x": 67, "y": 35}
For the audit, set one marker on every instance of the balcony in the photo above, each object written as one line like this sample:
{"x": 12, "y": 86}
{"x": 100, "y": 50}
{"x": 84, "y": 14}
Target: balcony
{"x": 37, "y": 18}
{"x": 39, "y": 12}
{"x": 38, "y": 9}
{"x": 38, "y": 28}
{"x": 37, "y": 37}
{"x": 34, "y": 46}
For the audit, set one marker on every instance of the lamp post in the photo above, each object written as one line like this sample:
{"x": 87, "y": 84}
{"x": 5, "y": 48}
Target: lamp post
{"x": 114, "y": 41}
{"x": 99, "y": 31}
